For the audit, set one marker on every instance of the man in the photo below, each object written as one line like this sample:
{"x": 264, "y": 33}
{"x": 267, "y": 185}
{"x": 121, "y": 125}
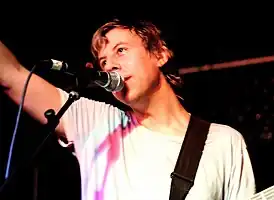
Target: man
{"x": 130, "y": 154}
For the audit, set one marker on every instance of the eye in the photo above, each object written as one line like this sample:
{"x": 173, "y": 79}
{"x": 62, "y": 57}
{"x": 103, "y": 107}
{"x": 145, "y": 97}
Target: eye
{"x": 121, "y": 50}
{"x": 103, "y": 63}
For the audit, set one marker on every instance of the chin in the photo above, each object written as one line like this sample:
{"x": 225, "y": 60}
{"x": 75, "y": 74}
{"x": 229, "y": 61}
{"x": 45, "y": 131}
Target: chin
{"x": 126, "y": 97}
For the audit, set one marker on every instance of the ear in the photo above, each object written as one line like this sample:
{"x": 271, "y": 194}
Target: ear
{"x": 162, "y": 57}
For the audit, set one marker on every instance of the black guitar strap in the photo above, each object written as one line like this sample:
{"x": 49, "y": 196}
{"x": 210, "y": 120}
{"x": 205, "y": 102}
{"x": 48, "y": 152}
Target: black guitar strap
{"x": 189, "y": 157}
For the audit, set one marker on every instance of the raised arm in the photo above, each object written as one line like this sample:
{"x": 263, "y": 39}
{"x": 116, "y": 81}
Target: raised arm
{"x": 40, "y": 95}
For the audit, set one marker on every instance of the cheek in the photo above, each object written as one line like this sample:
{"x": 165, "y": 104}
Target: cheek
{"x": 134, "y": 63}
{"x": 131, "y": 65}
{"x": 129, "y": 62}
{"x": 140, "y": 67}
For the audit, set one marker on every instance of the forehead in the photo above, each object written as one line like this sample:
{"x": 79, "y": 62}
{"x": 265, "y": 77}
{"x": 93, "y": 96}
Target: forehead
{"x": 119, "y": 35}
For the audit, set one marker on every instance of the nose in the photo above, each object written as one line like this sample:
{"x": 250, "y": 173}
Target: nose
{"x": 112, "y": 64}
{"x": 112, "y": 68}
{"x": 115, "y": 68}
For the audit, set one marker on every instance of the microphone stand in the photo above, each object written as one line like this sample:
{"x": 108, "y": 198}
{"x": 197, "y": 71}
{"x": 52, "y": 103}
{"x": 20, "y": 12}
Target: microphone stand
{"x": 52, "y": 123}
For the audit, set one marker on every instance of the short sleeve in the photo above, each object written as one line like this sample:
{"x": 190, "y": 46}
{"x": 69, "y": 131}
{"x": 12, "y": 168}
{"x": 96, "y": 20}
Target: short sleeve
{"x": 240, "y": 179}
{"x": 84, "y": 115}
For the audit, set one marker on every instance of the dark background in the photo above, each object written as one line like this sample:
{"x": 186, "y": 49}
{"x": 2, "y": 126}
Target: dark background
{"x": 241, "y": 97}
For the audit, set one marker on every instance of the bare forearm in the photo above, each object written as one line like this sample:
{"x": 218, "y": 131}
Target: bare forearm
{"x": 40, "y": 95}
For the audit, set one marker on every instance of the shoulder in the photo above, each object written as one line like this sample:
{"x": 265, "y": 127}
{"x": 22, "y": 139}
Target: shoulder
{"x": 224, "y": 140}
{"x": 224, "y": 160}
{"x": 86, "y": 115}
{"x": 224, "y": 134}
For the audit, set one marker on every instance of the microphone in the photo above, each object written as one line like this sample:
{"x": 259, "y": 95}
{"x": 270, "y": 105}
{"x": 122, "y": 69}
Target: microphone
{"x": 54, "y": 65}
{"x": 110, "y": 81}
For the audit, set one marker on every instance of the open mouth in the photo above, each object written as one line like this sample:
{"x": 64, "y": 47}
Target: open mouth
{"x": 127, "y": 78}
{"x": 125, "y": 89}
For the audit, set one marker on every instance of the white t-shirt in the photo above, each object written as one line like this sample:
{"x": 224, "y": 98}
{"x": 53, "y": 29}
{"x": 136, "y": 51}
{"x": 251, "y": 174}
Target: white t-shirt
{"x": 121, "y": 160}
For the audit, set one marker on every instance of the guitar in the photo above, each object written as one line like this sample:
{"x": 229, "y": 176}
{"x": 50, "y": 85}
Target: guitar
{"x": 267, "y": 194}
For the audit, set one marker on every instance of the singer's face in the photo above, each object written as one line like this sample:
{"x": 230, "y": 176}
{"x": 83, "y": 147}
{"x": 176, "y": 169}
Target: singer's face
{"x": 124, "y": 52}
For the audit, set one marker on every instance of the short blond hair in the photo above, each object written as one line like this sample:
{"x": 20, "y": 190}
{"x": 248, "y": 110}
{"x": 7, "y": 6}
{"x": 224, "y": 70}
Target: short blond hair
{"x": 147, "y": 31}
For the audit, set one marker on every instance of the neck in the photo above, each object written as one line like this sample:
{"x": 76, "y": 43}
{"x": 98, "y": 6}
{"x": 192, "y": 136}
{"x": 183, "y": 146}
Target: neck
{"x": 162, "y": 111}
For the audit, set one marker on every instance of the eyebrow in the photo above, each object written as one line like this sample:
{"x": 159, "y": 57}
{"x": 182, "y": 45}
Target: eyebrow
{"x": 118, "y": 44}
